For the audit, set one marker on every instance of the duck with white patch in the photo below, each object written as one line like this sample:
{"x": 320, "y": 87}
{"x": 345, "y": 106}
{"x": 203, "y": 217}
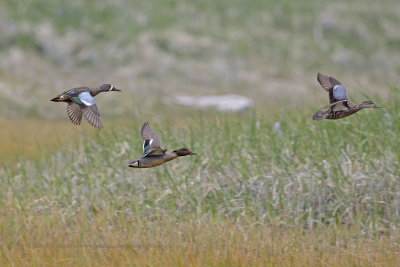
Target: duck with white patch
{"x": 80, "y": 101}
{"x": 153, "y": 152}
{"x": 339, "y": 105}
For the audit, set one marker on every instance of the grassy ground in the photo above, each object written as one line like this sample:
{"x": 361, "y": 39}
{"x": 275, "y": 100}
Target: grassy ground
{"x": 306, "y": 194}
{"x": 250, "y": 187}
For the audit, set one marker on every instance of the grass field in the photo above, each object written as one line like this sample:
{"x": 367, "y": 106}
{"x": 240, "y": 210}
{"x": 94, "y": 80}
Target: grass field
{"x": 307, "y": 194}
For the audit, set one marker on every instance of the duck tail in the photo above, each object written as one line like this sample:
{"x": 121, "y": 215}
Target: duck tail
{"x": 134, "y": 164}
{"x": 60, "y": 98}
{"x": 320, "y": 115}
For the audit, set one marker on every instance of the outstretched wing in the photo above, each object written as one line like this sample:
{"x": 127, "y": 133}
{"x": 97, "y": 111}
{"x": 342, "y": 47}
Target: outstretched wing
{"x": 93, "y": 116}
{"x": 74, "y": 112}
{"x": 327, "y": 82}
{"x": 336, "y": 89}
{"x": 151, "y": 142}
{"x": 88, "y": 106}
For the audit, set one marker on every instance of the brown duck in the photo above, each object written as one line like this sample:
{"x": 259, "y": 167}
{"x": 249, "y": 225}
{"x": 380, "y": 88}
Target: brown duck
{"x": 340, "y": 106}
{"x": 153, "y": 152}
{"x": 80, "y": 101}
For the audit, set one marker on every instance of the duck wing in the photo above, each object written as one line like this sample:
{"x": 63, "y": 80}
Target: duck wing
{"x": 92, "y": 115}
{"x": 88, "y": 106}
{"x": 327, "y": 82}
{"x": 151, "y": 142}
{"x": 336, "y": 89}
{"x": 74, "y": 113}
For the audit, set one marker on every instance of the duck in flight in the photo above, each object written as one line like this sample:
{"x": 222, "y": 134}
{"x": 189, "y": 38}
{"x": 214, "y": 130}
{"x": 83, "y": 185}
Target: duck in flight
{"x": 153, "y": 152}
{"x": 339, "y": 105}
{"x": 80, "y": 101}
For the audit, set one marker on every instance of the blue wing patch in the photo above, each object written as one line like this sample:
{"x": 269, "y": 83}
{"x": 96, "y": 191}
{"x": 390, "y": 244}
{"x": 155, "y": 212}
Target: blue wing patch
{"x": 339, "y": 92}
{"x": 86, "y": 98}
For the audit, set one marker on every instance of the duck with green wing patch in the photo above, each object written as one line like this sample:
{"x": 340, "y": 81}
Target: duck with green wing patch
{"x": 339, "y": 105}
{"x": 80, "y": 101}
{"x": 153, "y": 152}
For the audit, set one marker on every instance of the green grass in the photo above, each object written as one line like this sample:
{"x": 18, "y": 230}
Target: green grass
{"x": 338, "y": 177}
{"x": 308, "y": 173}
{"x": 310, "y": 194}
{"x": 267, "y": 50}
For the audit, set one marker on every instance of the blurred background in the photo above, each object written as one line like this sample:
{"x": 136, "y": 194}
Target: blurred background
{"x": 269, "y": 166}
{"x": 267, "y": 51}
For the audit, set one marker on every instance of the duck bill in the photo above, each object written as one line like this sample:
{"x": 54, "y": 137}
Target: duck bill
{"x": 192, "y": 153}
{"x": 377, "y": 106}
{"x": 115, "y": 89}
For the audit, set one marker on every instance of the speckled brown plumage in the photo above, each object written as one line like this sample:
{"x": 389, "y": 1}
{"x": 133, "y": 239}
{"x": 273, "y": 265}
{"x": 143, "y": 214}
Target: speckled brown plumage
{"x": 340, "y": 106}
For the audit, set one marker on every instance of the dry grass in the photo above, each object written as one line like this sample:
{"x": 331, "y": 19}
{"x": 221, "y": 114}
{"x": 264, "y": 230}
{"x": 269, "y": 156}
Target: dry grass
{"x": 46, "y": 240}
{"x": 252, "y": 197}
{"x": 35, "y": 138}
{"x": 308, "y": 194}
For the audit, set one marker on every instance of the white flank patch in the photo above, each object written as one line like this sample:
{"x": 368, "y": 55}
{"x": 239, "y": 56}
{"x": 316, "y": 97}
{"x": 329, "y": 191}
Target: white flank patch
{"x": 86, "y": 98}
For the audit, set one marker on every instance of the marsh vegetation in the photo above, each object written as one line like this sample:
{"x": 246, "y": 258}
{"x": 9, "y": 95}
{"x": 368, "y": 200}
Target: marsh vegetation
{"x": 305, "y": 193}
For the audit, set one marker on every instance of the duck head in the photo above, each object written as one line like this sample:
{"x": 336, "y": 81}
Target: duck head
{"x": 108, "y": 87}
{"x": 183, "y": 152}
{"x": 369, "y": 104}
